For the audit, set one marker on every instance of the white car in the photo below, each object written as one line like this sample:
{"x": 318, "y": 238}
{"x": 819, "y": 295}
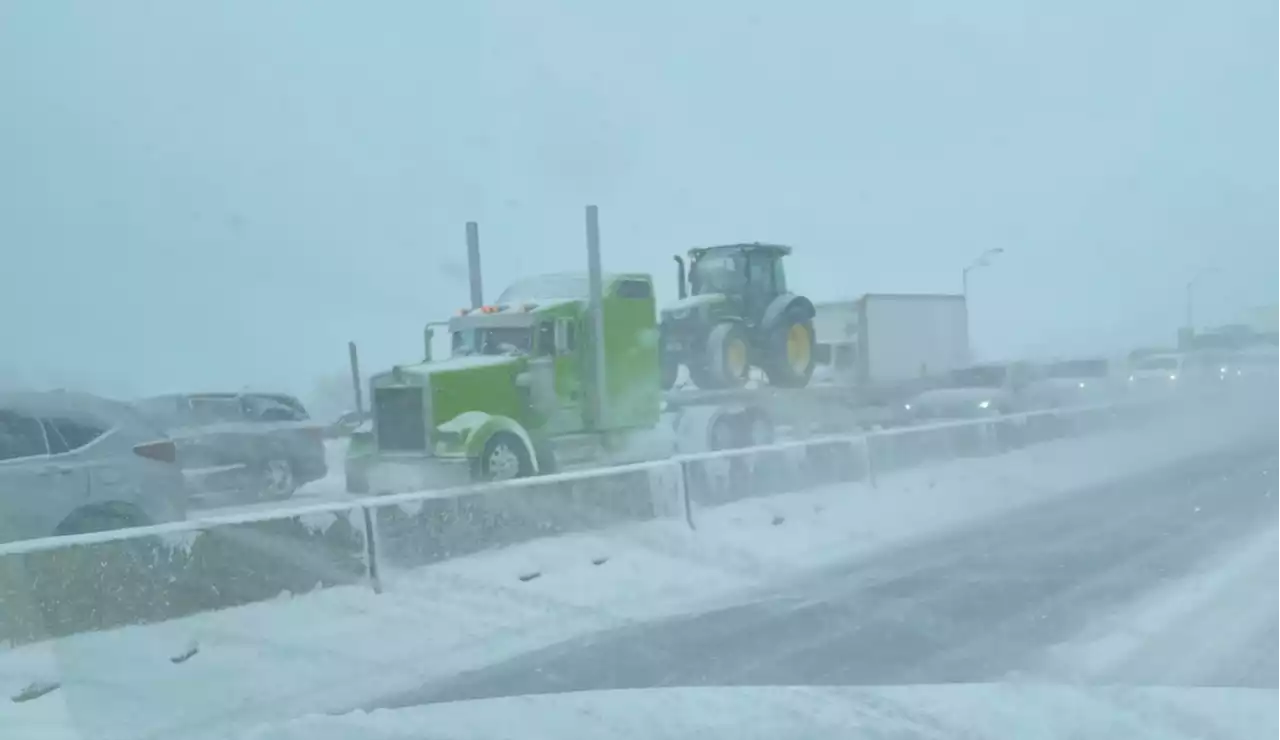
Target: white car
{"x": 978, "y": 391}
{"x": 1077, "y": 382}
{"x": 72, "y": 462}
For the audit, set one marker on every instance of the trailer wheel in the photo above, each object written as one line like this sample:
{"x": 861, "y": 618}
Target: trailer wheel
{"x": 760, "y": 430}
{"x": 789, "y": 352}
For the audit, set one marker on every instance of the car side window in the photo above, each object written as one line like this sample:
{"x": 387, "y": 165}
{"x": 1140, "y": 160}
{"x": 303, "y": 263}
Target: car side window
{"x": 20, "y": 436}
{"x": 74, "y": 434}
{"x": 57, "y": 445}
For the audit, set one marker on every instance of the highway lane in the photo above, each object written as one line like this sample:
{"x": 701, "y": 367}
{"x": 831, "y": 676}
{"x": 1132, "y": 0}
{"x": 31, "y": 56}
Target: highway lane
{"x": 1112, "y": 584}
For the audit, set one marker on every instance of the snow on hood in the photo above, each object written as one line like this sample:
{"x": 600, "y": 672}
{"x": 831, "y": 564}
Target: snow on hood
{"x": 956, "y": 396}
{"x": 1032, "y": 711}
{"x": 693, "y": 301}
{"x": 466, "y": 362}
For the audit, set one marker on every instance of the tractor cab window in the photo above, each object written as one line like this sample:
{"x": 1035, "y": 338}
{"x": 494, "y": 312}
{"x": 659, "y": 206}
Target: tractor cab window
{"x": 760, "y": 268}
{"x": 717, "y": 274}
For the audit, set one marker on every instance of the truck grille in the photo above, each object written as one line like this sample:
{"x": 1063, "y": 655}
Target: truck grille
{"x": 398, "y": 419}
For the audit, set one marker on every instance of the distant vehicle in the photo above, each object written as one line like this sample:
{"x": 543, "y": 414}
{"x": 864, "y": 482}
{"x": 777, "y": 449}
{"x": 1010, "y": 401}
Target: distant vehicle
{"x": 258, "y": 445}
{"x": 1157, "y": 372}
{"x": 885, "y": 344}
{"x": 1259, "y": 361}
{"x": 1077, "y": 381}
{"x": 979, "y": 390}
{"x": 73, "y": 463}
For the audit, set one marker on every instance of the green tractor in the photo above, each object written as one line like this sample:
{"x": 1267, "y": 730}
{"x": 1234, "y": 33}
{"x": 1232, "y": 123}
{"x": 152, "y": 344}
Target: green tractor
{"x": 735, "y": 313}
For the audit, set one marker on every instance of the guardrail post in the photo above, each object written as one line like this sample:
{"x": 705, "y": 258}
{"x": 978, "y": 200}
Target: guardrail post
{"x": 682, "y": 482}
{"x": 372, "y": 570}
{"x": 867, "y": 463}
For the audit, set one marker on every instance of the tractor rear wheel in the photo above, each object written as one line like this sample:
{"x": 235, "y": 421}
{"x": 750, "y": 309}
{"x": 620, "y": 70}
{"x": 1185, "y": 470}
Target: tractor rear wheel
{"x": 728, "y": 356}
{"x": 790, "y": 354}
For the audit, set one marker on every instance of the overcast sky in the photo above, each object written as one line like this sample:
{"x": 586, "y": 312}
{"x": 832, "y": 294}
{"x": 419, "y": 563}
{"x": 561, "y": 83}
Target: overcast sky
{"x": 200, "y": 195}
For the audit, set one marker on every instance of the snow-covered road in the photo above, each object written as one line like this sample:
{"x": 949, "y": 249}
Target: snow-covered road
{"x": 1169, "y": 578}
{"x": 923, "y": 529}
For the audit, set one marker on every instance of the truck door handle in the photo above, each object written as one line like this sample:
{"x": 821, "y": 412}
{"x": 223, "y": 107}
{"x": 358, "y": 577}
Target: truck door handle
{"x": 57, "y": 470}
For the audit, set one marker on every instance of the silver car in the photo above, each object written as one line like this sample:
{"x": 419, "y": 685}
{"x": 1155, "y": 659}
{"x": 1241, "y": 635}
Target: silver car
{"x": 73, "y": 462}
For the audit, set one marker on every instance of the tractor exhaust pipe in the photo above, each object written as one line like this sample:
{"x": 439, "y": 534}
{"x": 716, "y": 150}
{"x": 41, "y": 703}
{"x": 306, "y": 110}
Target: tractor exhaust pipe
{"x": 595, "y": 292}
{"x": 357, "y": 390}
{"x": 473, "y": 264}
{"x": 681, "y": 292}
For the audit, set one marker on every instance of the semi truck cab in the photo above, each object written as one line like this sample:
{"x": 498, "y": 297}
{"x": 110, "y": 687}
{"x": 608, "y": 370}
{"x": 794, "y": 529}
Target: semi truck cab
{"x": 519, "y": 393}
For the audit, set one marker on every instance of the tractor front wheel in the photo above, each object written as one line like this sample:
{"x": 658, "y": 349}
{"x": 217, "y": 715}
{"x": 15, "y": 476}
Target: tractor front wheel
{"x": 728, "y": 356}
{"x": 790, "y": 353}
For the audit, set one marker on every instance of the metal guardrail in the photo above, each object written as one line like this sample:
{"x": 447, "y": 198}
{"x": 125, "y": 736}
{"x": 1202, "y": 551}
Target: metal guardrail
{"x": 379, "y": 501}
{"x": 139, "y": 575}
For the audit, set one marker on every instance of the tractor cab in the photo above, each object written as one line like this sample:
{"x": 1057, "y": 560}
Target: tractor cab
{"x": 749, "y": 276}
{"x": 734, "y": 311}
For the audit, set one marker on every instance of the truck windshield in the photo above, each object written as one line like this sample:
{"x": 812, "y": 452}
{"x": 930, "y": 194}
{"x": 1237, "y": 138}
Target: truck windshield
{"x": 495, "y": 341}
{"x": 717, "y": 274}
{"x": 990, "y": 376}
{"x": 1078, "y": 369}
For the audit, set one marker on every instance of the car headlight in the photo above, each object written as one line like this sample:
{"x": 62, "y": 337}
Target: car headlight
{"x": 1082, "y": 384}
{"x": 984, "y": 405}
{"x": 1131, "y": 378}
{"x": 1173, "y": 376}
{"x": 906, "y": 406}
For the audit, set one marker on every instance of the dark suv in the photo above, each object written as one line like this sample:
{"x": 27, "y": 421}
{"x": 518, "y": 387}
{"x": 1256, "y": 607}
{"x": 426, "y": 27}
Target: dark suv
{"x": 259, "y": 445}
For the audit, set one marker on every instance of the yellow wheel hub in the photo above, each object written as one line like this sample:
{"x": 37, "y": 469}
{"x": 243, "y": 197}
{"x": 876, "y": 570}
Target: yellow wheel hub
{"x": 735, "y": 357}
{"x": 799, "y": 348}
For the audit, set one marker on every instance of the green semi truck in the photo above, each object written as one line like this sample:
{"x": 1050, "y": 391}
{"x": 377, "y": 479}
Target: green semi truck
{"x": 559, "y": 371}
{"x": 571, "y": 370}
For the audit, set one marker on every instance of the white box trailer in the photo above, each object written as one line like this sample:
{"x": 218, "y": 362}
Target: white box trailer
{"x": 886, "y": 340}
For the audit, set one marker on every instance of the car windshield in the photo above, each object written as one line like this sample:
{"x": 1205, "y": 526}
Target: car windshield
{"x": 1157, "y": 363}
{"x": 986, "y": 376}
{"x": 717, "y": 273}
{"x": 1077, "y": 369}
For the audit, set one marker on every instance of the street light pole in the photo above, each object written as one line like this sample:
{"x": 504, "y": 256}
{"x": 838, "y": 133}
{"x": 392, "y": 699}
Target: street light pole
{"x": 983, "y": 260}
{"x": 1191, "y": 286}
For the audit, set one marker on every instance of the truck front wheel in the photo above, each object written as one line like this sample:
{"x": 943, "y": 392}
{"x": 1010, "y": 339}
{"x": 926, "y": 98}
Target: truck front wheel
{"x": 505, "y": 457}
